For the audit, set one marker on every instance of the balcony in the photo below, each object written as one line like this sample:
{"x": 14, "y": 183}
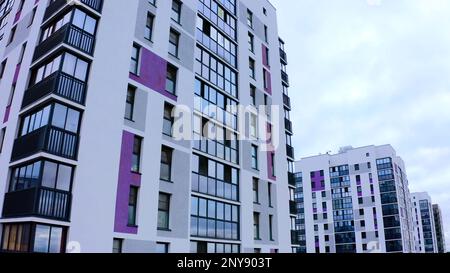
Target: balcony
{"x": 285, "y": 77}
{"x": 40, "y": 202}
{"x": 290, "y": 151}
{"x": 293, "y": 207}
{"x": 59, "y": 83}
{"x": 287, "y": 101}
{"x": 70, "y": 35}
{"x": 283, "y": 56}
{"x": 288, "y": 125}
{"x": 46, "y": 139}
{"x": 291, "y": 179}
{"x": 295, "y": 237}
{"x": 54, "y": 7}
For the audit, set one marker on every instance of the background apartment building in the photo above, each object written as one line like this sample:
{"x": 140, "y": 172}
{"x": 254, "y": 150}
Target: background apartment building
{"x": 354, "y": 201}
{"x": 439, "y": 225}
{"x": 425, "y": 228}
{"x": 88, "y": 160}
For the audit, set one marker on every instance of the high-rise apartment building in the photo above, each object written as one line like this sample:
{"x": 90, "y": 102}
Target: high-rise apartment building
{"x": 425, "y": 229}
{"x": 439, "y": 225}
{"x": 354, "y": 201}
{"x": 92, "y": 94}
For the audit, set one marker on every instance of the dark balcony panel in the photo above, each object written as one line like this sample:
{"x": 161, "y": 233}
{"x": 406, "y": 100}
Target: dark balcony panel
{"x": 287, "y": 101}
{"x": 59, "y": 83}
{"x": 283, "y": 56}
{"x": 295, "y": 237}
{"x": 50, "y": 43}
{"x": 96, "y": 5}
{"x": 290, "y": 151}
{"x": 288, "y": 125}
{"x": 46, "y": 139}
{"x": 39, "y": 202}
{"x": 70, "y": 35}
{"x": 285, "y": 77}
{"x": 292, "y": 207}
{"x": 291, "y": 179}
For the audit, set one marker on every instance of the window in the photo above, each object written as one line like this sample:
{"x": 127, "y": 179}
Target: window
{"x": 162, "y": 248}
{"x": 12, "y": 35}
{"x": 266, "y": 79}
{"x": 2, "y": 138}
{"x": 132, "y": 205}
{"x": 171, "y": 79}
{"x": 48, "y": 239}
{"x": 136, "y": 160}
{"x": 254, "y": 157}
{"x": 134, "y": 65}
{"x": 251, "y": 42}
{"x": 176, "y": 11}
{"x": 271, "y": 227}
{"x": 2, "y": 68}
{"x": 117, "y": 245}
{"x": 129, "y": 108}
{"x": 269, "y": 190}
{"x": 363, "y": 235}
{"x": 33, "y": 15}
{"x": 163, "y": 211}
{"x": 22, "y": 53}
{"x": 249, "y": 18}
{"x": 166, "y": 164}
{"x": 174, "y": 39}
{"x": 356, "y": 167}
{"x": 253, "y": 94}
{"x": 153, "y": 2}
{"x": 214, "y": 219}
{"x": 255, "y": 191}
{"x": 251, "y": 67}
{"x": 363, "y": 223}
{"x": 253, "y": 126}
{"x": 149, "y": 26}
{"x": 168, "y": 120}
{"x": 267, "y": 56}
{"x": 266, "y": 34}
{"x": 256, "y": 230}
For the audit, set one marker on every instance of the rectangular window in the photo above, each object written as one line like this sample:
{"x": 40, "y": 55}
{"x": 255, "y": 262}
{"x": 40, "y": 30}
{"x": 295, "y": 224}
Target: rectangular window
{"x": 149, "y": 26}
{"x": 251, "y": 42}
{"x": 162, "y": 248}
{"x": 255, "y": 191}
{"x": 129, "y": 108}
{"x": 249, "y": 19}
{"x": 168, "y": 120}
{"x": 2, "y": 138}
{"x": 163, "y": 211}
{"x": 269, "y": 190}
{"x": 33, "y": 15}
{"x": 2, "y": 68}
{"x": 254, "y": 157}
{"x": 132, "y": 205}
{"x": 12, "y": 35}
{"x": 176, "y": 11}
{"x": 22, "y": 53}
{"x": 251, "y": 67}
{"x": 271, "y": 227}
{"x": 117, "y": 245}
{"x": 171, "y": 79}
{"x": 253, "y": 126}
{"x": 266, "y": 34}
{"x": 166, "y": 164}
{"x": 134, "y": 65}
{"x": 253, "y": 94}
{"x": 256, "y": 231}
{"x": 136, "y": 160}
{"x": 174, "y": 39}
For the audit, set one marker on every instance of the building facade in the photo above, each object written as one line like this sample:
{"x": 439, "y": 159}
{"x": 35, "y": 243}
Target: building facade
{"x": 439, "y": 225}
{"x": 91, "y": 94}
{"x": 425, "y": 229}
{"x": 356, "y": 201}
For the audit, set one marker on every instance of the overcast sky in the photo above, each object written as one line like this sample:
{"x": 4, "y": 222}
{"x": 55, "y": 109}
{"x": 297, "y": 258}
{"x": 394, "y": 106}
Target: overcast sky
{"x": 373, "y": 72}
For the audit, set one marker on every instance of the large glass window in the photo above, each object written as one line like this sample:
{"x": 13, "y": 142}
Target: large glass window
{"x": 166, "y": 164}
{"x": 221, "y": 17}
{"x": 214, "y": 219}
{"x": 56, "y": 114}
{"x": 214, "y": 178}
{"x": 48, "y": 239}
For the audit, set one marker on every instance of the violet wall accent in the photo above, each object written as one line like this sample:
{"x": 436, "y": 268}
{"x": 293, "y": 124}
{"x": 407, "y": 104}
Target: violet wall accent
{"x": 317, "y": 179}
{"x": 126, "y": 180}
{"x": 264, "y": 56}
{"x": 152, "y": 73}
